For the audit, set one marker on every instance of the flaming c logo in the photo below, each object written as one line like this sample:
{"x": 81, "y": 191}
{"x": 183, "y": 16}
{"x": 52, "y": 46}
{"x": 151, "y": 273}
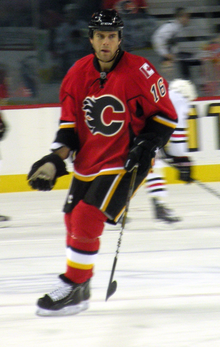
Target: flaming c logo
{"x": 95, "y": 109}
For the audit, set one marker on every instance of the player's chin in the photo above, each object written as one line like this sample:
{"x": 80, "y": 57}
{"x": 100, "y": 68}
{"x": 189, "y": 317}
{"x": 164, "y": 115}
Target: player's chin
{"x": 105, "y": 56}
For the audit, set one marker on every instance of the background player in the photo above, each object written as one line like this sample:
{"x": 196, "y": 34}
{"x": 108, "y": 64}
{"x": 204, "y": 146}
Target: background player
{"x": 181, "y": 92}
{"x": 115, "y": 113}
{"x": 3, "y": 129}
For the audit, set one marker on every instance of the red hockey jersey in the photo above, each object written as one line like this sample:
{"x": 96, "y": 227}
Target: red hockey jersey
{"x": 104, "y": 113}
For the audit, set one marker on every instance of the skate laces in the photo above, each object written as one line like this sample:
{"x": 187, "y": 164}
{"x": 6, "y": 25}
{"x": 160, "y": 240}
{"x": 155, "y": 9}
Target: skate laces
{"x": 61, "y": 292}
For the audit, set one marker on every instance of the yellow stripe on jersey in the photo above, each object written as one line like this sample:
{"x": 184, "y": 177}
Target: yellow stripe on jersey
{"x": 67, "y": 125}
{"x": 165, "y": 121}
{"x": 111, "y": 191}
{"x": 120, "y": 213}
{"x": 88, "y": 178}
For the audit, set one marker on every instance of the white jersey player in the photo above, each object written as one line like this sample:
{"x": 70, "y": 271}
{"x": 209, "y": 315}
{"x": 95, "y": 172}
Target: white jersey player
{"x": 181, "y": 93}
{"x": 3, "y": 129}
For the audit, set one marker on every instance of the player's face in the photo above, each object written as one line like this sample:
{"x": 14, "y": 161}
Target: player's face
{"x": 184, "y": 20}
{"x": 105, "y": 44}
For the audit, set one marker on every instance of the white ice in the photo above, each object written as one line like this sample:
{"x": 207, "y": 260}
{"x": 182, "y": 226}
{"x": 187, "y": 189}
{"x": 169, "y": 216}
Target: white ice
{"x": 168, "y": 291}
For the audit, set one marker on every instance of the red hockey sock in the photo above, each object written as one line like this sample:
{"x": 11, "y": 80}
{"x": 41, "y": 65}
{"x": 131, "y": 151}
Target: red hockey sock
{"x": 84, "y": 226}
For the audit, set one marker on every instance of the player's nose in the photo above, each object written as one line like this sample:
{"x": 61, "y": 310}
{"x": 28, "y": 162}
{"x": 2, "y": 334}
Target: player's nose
{"x": 106, "y": 41}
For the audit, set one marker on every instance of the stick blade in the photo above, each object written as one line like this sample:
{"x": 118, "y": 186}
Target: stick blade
{"x": 111, "y": 289}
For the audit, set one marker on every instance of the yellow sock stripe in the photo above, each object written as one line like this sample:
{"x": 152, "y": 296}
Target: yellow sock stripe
{"x": 79, "y": 266}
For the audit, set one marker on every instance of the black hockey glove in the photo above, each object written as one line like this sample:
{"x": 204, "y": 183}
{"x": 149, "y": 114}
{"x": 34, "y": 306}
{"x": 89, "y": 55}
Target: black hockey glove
{"x": 142, "y": 153}
{"x": 184, "y": 165}
{"x": 44, "y": 172}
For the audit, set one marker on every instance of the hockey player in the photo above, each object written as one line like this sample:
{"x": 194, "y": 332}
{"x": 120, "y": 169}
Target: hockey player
{"x": 3, "y": 129}
{"x": 181, "y": 92}
{"x": 115, "y": 112}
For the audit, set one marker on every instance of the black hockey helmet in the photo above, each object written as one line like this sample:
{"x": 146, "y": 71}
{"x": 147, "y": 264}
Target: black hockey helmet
{"x": 106, "y": 20}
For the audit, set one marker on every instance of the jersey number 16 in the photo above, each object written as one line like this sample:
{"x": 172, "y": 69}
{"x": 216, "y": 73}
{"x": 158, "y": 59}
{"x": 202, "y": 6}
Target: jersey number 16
{"x": 158, "y": 90}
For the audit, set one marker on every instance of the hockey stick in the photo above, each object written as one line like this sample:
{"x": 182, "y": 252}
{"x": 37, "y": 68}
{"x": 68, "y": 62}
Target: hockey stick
{"x": 204, "y": 186}
{"x": 112, "y": 286}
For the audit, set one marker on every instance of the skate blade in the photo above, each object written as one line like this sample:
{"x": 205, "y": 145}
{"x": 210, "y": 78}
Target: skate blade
{"x": 162, "y": 225}
{"x": 5, "y": 224}
{"x": 65, "y": 311}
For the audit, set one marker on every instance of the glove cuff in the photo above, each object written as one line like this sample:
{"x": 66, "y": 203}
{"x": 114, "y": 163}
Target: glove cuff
{"x": 148, "y": 141}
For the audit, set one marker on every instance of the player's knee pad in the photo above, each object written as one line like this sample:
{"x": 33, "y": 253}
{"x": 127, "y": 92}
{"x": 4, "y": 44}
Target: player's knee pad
{"x": 85, "y": 222}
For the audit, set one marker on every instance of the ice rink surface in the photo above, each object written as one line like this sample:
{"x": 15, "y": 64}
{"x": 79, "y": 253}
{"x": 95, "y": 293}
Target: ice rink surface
{"x": 168, "y": 291}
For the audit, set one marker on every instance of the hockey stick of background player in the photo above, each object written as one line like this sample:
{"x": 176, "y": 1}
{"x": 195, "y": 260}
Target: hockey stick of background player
{"x": 204, "y": 186}
{"x": 112, "y": 286}
{"x": 200, "y": 184}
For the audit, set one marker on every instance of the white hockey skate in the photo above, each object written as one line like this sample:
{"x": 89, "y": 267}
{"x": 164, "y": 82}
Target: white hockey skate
{"x": 4, "y": 221}
{"x": 164, "y": 217}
